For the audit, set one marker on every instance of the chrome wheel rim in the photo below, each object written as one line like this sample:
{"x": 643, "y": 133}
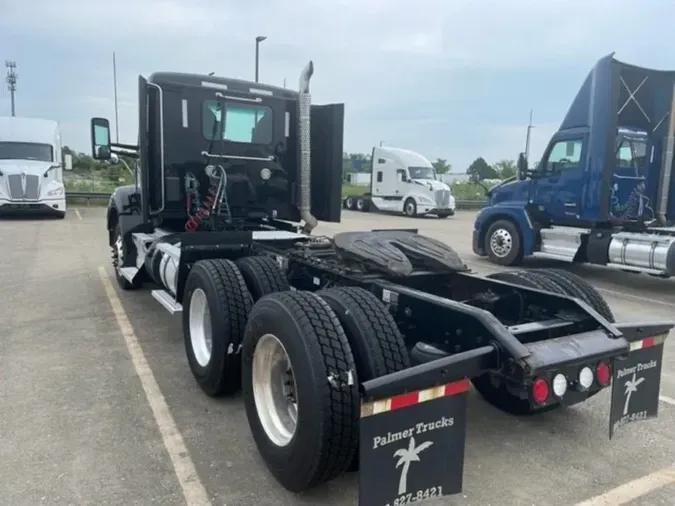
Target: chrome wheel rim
{"x": 201, "y": 337}
{"x": 119, "y": 254}
{"x": 274, "y": 390}
{"x": 410, "y": 208}
{"x": 501, "y": 243}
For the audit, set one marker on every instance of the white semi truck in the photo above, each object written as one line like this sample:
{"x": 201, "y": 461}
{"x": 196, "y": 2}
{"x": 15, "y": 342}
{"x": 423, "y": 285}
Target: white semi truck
{"x": 31, "y": 166}
{"x": 405, "y": 182}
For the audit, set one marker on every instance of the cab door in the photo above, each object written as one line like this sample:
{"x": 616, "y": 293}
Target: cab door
{"x": 557, "y": 184}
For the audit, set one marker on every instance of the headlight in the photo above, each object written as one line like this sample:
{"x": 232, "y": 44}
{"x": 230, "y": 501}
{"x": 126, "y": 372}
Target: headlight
{"x": 55, "y": 193}
{"x": 425, "y": 200}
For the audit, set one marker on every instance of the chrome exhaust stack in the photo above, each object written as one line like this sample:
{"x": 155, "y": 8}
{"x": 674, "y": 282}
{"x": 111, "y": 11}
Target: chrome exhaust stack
{"x": 304, "y": 129}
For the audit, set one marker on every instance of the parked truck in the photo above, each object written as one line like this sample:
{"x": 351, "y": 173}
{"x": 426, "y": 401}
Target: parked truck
{"x": 31, "y": 167}
{"x": 403, "y": 182}
{"x": 601, "y": 193}
{"x": 346, "y": 348}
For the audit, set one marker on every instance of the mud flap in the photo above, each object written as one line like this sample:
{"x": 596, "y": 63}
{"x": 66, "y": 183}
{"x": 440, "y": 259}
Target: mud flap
{"x": 412, "y": 446}
{"x": 636, "y": 383}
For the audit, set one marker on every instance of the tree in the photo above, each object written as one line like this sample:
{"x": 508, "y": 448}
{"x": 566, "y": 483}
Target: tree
{"x": 480, "y": 170}
{"x": 631, "y": 388}
{"x": 505, "y": 168}
{"x": 442, "y": 166}
{"x": 406, "y": 456}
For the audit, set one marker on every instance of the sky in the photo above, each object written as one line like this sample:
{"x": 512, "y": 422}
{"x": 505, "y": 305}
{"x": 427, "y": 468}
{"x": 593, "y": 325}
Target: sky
{"x": 451, "y": 79}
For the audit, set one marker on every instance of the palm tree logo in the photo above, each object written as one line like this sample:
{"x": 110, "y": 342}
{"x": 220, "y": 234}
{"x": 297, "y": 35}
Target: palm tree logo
{"x": 406, "y": 456}
{"x": 631, "y": 387}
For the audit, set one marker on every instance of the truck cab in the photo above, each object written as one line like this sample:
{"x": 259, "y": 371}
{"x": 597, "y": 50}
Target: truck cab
{"x": 228, "y": 146}
{"x": 405, "y": 181}
{"x": 605, "y": 174}
{"x": 31, "y": 167}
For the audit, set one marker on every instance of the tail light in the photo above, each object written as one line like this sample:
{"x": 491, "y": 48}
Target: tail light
{"x": 540, "y": 390}
{"x": 586, "y": 378}
{"x": 559, "y": 385}
{"x": 603, "y": 374}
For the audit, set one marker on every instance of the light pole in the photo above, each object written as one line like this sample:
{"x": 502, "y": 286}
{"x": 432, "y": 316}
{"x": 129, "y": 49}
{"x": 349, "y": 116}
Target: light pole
{"x": 258, "y": 40}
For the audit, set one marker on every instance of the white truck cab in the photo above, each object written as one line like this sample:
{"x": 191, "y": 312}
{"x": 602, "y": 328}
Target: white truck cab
{"x": 405, "y": 181}
{"x": 31, "y": 166}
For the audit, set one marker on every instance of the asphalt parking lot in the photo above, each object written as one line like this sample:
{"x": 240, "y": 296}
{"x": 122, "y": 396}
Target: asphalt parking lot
{"x": 99, "y": 406}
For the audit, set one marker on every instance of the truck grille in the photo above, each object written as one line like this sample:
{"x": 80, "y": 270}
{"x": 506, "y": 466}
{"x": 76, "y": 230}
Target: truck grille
{"x": 442, "y": 198}
{"x": 16, "y": 188}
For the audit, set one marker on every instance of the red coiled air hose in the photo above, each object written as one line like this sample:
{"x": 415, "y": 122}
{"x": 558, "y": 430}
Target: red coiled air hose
{"x": 204, "y": 211}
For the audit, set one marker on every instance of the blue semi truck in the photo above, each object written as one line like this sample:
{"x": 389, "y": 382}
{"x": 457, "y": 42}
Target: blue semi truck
{"x": 601, "y": 192}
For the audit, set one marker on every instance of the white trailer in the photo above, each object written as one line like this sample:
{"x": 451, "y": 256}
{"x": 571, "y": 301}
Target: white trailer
{"x": 359, "y": 178}
{"x": 31, "y": 166}
{"x": 405, "y": 182}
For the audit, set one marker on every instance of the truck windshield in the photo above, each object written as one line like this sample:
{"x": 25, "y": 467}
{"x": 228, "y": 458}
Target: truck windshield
{"x": 422, "y": 172}
{"x": 26, "y": 151}
{"x": 250, "y": 124}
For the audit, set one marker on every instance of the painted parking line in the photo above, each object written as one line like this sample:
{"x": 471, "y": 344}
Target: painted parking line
{"x": 632, "y": 490}
{"x": 667, "y": 400}
{"x": 77, "y": 212}
{"x": 193, "y": 490}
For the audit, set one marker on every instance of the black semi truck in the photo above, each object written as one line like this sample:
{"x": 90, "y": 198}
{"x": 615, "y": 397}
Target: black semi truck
{"x": 356, "y": 351}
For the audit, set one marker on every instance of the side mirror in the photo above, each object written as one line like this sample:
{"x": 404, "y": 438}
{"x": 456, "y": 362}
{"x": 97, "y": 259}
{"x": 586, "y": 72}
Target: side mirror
{"x": 68, "y": 162}
{"x": 100, "y": 139}
{"x": 522, "y": 166}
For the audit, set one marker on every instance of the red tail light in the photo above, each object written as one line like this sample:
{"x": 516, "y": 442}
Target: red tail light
{"x": 603, "y": 374}
{"x": 540, "y": 390}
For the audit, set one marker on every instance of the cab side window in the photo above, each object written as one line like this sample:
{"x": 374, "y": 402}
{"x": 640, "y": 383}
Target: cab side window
{"x": 563, "y": 154}
{"x": 401, "y": 175}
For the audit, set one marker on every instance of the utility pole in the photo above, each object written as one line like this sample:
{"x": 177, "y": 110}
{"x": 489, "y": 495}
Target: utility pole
{"x": 11, "y": 82}
{"x": 530, "y": 126}
{"x": 258, "y": 40}
{"x": 117, "y": 123}
{"x": 284, "y": 82}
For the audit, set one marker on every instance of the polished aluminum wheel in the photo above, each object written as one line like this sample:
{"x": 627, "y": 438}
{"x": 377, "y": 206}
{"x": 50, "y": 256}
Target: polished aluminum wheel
{"x": 501, "y": 243}
{"x": 201, "y": 336}
{"x": 274, "y": 390}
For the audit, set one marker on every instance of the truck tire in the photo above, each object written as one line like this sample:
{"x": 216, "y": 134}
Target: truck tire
{"x": 294, "y": 340}
{"x": 349, "y": 203}
{"x": 576, "y": 286}
{"x": 361, "y": 204}
{"x": 376, "y": 343}
{"x": 502, "y": 243}
{"x": 216, "y": 304}
{"x": 118, "y": 253}
{"x": 262, "y": 276}
{"x": 410, "y": 207}
{"x": 523, "y": 278}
